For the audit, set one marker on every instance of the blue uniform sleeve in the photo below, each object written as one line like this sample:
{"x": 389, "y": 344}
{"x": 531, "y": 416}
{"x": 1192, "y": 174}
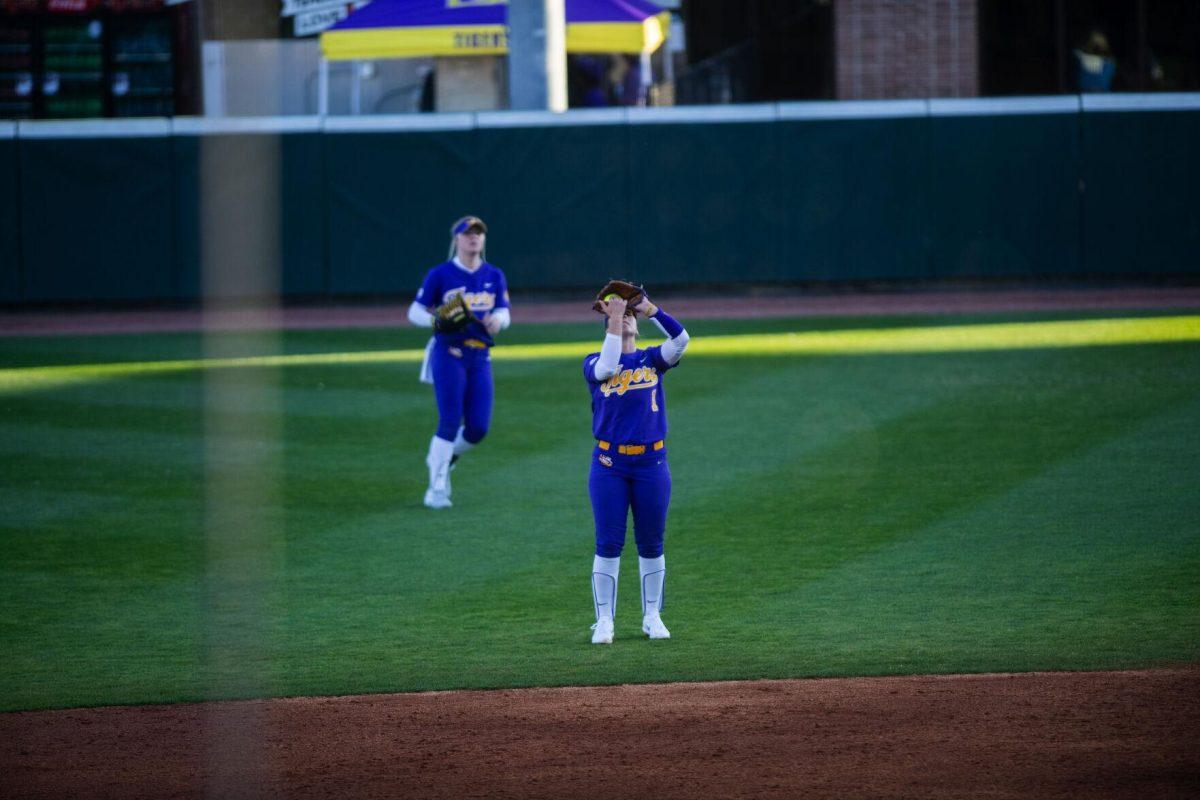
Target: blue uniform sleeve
{"x": 589, "y": 367}
{"x": 656, "y": 357}
{"x": 668, "y": 323}
{"x": 501, "y": 290}
{"x": 429, "y": 294}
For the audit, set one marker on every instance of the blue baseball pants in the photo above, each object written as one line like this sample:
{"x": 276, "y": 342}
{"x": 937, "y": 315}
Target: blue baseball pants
{"x": 462, "y": 383}
{"x": 620, "y": 483}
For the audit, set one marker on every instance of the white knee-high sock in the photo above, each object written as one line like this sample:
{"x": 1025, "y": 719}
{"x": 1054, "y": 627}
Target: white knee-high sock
{"x": 653, "y": 572}
{"x": 438, "y": 462}
{"x": 461, "y": 445}
{"x": 604, "y": 585}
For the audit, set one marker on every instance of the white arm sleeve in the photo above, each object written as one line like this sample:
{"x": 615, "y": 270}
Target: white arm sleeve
{"x": 504, "y": 318}
{"x": 610, "y": 357}
{"x": 419, "y": 315}
{"x": 672, "y": 349}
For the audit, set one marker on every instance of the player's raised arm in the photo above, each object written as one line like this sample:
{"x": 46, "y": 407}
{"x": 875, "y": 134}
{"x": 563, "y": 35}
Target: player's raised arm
{"x": 610, "y": 351}
{"x": 677, "y": 337}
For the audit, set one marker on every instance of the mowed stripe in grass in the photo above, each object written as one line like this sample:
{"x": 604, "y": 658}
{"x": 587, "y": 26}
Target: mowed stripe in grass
{"x": 1027, "y": 562}
{"x": 832, "y": 515}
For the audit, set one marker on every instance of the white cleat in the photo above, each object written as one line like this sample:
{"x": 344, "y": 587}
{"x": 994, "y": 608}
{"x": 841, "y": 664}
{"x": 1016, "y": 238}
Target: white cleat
{"x": 436, "y": 499}
{"x": 602, "y": 631}
{"x": 652, "y": 626}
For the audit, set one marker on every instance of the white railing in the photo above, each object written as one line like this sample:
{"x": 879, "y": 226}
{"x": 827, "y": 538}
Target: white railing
{"x": 683, "y": 115}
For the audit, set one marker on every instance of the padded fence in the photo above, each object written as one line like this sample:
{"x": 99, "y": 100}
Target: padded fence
{"x": 701, "y": 203}
{"x": 96, "y": 218}
{"x": 10, "y": 247}
{"x": 392, "y": 198}
{"x": 1004, "y": 195}
{"x": 1020, "y": 188}
{"x": 237, "y": 163}
{"x": 853, "y": 200}
{"x": 557, "y": 202}
{"x": 1141, "y": 171}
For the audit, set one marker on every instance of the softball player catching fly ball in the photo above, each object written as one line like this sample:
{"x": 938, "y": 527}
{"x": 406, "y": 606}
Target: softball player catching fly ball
{"x": 629, "y": 462}
{"x": 465, "y": 301}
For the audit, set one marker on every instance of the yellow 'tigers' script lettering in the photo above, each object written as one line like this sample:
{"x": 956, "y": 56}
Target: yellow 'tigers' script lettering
{"x": 629, "y": 379}
{"x": 481, "y": 301}
{"x": 477, "y": 301}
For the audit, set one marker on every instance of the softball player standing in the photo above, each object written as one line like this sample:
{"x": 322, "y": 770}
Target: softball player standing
{"x": 629, "y": 462}
{"x": 458, "y": 362}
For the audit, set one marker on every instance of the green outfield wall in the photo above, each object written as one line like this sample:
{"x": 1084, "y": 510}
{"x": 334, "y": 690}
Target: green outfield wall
{"x": 1141, "y": 172}
{"x": 231, "y": 227}
{"x": 1004, "y": 193}
{"x": 391, "y": 198}
{"x": 95, "y": 212}
{"x": 10, "y": 250}
{"x": 701, "y": 202}
{"x": 568, "y": 221}
{"x": 1011, "y": 188}
{"x": 853, "y": 199}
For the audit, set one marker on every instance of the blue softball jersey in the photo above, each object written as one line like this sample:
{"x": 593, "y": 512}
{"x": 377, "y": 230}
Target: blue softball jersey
{"x": 630, "y": 407}
{"x": 485, "y": 289}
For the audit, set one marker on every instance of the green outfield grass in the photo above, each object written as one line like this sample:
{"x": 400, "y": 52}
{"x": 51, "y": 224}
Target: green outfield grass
{"x": 853, "y": 496}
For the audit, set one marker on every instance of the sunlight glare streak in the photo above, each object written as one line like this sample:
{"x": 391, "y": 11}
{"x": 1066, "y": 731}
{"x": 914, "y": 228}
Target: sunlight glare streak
{"x": 878, "y": 341}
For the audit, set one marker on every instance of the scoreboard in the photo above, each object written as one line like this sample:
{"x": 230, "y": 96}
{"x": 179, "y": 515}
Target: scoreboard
{"x": 65, "y": 59}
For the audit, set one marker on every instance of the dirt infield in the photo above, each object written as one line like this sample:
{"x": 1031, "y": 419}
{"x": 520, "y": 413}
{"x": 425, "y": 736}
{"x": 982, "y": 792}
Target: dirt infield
{"x": 1044, "y": 735}
{"x": 776, "y": 304}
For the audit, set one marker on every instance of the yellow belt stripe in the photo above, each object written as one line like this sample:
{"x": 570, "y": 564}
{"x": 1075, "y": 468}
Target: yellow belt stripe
{"x": 631, "y": 449}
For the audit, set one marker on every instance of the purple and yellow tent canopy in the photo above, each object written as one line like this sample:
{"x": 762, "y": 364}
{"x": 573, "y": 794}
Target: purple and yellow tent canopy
{"x": 418, "y": 28}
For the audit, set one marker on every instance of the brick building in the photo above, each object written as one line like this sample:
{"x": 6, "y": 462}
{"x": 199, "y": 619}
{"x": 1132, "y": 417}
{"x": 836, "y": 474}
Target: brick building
{"x": 906, "y": 48}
